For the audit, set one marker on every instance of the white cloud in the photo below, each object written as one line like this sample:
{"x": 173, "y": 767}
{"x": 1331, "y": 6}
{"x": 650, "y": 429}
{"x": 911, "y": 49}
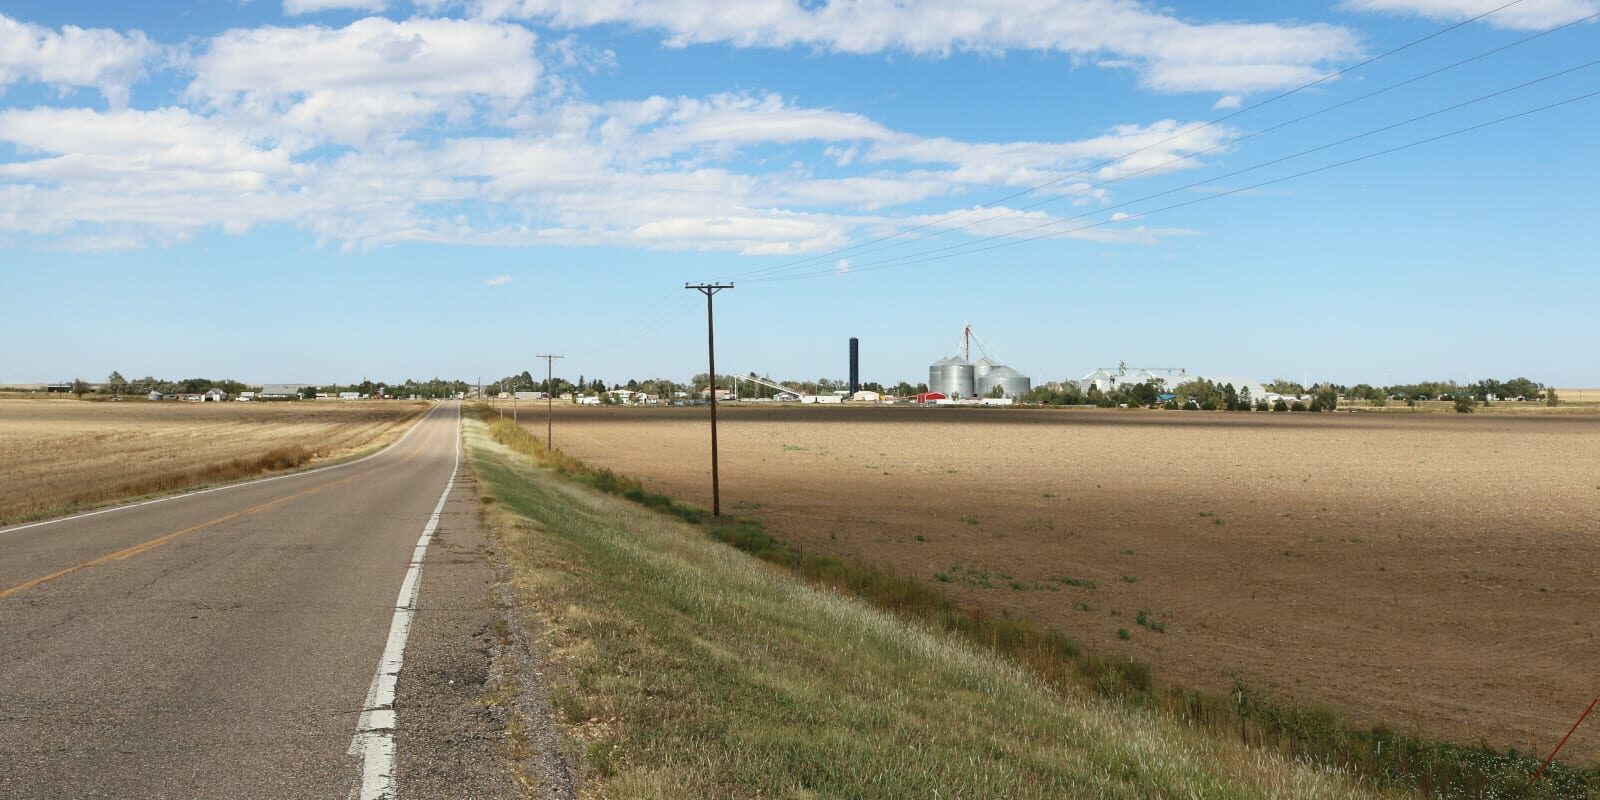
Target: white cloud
{"x": 498, "y": 280}
{"x": 443, "y": 133}
{"x": 1170, "y": 54}
{"x": 1227, "y": 103}
{"x": 97, "y": 58}
{"x": 373, "y": 76}
{"x": 296, "y": 7}
{"x": 1526, "y": 15}
{"x": 842, "y": 267}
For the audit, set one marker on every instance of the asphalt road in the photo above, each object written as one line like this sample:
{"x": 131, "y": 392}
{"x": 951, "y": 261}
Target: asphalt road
{"x": 230, "y": 644}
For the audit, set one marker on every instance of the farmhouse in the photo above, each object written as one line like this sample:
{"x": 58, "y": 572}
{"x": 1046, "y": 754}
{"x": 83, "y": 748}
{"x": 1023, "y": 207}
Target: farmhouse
{"x": 214, "y": 395}
{"x": 281, "y": 391}
{"x": 155, "y": 395}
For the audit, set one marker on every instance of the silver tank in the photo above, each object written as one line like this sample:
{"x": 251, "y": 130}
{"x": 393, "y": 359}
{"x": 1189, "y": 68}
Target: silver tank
{"x": 952, "y": 377}
{"x": 1013, "y": 383}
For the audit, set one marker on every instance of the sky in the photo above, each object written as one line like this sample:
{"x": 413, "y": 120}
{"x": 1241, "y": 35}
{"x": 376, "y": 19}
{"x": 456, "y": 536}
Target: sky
{"x": 314, "y": 191}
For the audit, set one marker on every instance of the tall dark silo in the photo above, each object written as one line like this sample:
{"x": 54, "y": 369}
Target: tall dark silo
{"x": 855, "y": 365}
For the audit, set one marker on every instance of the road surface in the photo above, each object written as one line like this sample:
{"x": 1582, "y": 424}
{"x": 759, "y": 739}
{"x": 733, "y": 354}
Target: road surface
{"x": 245, "y": 642}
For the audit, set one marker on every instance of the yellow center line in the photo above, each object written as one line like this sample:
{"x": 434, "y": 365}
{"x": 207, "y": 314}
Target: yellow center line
{"x": 145, "y": 547}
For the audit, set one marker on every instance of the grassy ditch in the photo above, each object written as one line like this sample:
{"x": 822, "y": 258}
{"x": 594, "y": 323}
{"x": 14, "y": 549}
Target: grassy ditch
{"x": 1311, "y": 734}
{"x": 683, "y": 668}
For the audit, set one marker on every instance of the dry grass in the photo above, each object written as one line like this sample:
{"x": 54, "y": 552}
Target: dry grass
{"x": 685, "y": 668}
{"x": 1579, "y": 396}
{"x": 59, "y": 456}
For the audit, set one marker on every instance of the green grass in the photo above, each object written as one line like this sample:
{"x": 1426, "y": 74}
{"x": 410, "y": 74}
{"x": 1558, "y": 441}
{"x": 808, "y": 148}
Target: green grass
{"x": 1307, "y": 735}
{"x": 688, "y": 669}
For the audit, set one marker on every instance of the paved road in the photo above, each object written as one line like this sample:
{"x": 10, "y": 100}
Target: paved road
{"x": 228, "y": 644}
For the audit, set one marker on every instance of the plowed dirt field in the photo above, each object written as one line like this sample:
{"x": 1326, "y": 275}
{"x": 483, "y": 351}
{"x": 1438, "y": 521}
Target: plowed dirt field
{"x": 1437, "y": 573}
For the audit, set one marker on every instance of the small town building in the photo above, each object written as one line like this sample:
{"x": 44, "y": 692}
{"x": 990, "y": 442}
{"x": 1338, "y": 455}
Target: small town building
{"x": 281, "y": 391}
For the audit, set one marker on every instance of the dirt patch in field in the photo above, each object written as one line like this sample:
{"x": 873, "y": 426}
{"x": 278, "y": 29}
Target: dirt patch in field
{"x": 1432, "y": 572}
{"x": 61, "y": 455}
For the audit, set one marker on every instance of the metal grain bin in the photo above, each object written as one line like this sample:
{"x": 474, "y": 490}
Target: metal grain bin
{"x": 1013, "y": 383}
{"x": 952, "y": 377}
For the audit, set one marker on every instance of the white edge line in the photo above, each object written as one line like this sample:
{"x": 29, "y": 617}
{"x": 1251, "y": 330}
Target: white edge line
{"x": 197, "y": 492}
{"x": 374, "y": 739}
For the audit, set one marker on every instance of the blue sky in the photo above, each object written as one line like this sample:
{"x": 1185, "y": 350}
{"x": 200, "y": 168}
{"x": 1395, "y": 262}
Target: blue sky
{"x": 322, "y": 190}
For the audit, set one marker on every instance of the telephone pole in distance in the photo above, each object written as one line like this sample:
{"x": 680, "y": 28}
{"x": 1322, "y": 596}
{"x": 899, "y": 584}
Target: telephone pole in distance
{"x": 710, "y": 290}
{"x": 549, "y": 399}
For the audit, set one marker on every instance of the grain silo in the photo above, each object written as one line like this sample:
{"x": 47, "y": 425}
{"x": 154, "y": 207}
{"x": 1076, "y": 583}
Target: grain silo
{"x": 952, "y": 377}
{"x": 1012, "y": 383}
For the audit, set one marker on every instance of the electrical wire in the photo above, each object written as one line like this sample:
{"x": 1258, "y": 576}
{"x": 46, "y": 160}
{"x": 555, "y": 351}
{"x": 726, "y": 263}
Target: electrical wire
{"x": 1108, "y": 162}
{"x": 891, "y": 263}
{"x": 1220, "y": 145}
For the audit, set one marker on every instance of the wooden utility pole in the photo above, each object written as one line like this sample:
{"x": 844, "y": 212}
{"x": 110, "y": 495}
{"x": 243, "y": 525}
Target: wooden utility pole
{"x": 549, "y": 399}
{"x": 710, "y": 290}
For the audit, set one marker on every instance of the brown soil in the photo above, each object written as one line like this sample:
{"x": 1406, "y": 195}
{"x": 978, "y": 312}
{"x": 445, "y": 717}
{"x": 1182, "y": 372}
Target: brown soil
{"x": 1436, "y": 573}
{"x": 63, "y": 455}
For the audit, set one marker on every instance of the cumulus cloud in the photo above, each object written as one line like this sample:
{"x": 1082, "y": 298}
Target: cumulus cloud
{"x": 437, "y": 130}
{"x": 297, "y": 7}
{"x": 1227, "y": 103}
{"x": 1169, "y": 54}
{"x": 1533, "y": 15}
{"x": 498, "y": 280}
{"x": 73, "y": 57}
{"x": 370, "y": 77}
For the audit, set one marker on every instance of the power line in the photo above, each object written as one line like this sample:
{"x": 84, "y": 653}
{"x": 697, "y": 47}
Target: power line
{"x": 930, "y": 256}
{"x": 771, "y": 272}
{"x": 1235, "y": 173}
{"x": 1224, "y": 118}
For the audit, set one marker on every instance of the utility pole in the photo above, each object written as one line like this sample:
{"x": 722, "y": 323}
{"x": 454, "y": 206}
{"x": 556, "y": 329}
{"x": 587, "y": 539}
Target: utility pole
{"x": 710, "y": 290}
{"x": 549, "y": 399}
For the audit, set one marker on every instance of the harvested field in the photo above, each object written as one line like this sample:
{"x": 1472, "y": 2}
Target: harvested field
{"x": 58, "y": 456}
{"x": 1431, "y": 572}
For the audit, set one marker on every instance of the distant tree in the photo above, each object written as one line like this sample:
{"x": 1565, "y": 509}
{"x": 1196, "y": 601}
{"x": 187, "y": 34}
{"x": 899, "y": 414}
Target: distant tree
{"x": 1145, "y": 394}
{"x": 79, "y": 388}
{"x": 1202, "y": 393}
{"x": 116, "y": 383}
{"x": 1280, "y": 405}
{"x": 1297, "y": 406}
{"x": 1326, "y": 396}
{"x": 1464, "y": 403}
{"x": 1550, "y": 398}
{"x": 1521, "y": 388}
{"x": 1281, "y": 386}
{"x": 308, "y": 392}
{"x": 1263, "y": 405}
{"x": 1244, "y": 399}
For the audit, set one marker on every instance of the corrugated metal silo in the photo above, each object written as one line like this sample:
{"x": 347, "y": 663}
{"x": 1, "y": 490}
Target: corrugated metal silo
{"x": 936, "y": 374}
{"x": 1010, "y": 381}
{"x": 952, "y": 377}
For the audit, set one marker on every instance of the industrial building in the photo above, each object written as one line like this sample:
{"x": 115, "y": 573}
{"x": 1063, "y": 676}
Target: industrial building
{"x": 958, "y": 378}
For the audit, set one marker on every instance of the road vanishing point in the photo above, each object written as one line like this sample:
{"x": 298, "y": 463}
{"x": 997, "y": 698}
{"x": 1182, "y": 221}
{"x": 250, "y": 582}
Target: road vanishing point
{"x": 247, "y": 641}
